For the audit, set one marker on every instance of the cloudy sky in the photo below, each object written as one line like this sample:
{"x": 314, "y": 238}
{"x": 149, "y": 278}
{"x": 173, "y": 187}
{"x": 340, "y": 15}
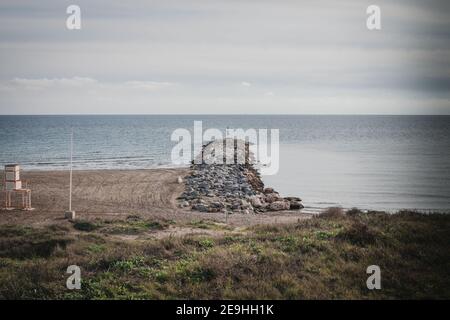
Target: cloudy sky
{"x": 233, "y": 56}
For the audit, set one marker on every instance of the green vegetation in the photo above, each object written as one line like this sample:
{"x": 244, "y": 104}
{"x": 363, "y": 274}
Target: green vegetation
{"x": 208, "y": 225}
{"x": 133, "y": 225}
{"x": 85, "y": 225}
{"x": 325, "y": 257}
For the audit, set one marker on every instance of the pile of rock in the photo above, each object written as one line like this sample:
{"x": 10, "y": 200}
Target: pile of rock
{"x": 232, "y": 188}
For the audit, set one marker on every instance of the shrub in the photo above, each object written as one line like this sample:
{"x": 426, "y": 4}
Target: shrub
{"x": 130, "y": 264}
{"x": 25, "y": 242}
{"x": 31, "y": 249}
{"x": 353, "y": 212}
{"x": 85, "y": 226}
{"x": 359, "y": 234}
{"x": 206, "y": 243}
{"x": 333, "y": 212}
{"x": 156, "y": 225}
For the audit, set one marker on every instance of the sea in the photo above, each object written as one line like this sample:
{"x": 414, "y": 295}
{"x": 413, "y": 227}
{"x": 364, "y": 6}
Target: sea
{"x": 372, "y": 162}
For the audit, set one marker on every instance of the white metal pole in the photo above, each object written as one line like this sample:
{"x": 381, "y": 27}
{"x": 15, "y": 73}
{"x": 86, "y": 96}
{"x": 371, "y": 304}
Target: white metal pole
{"x": 70, "y": 185}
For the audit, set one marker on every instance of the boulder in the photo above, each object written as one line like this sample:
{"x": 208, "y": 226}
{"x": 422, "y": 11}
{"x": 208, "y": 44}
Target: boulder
{"x": 295, "y": 205}
{"x": 279, "y": 205}
{"x": 268, "y": 190}
{"x": 256, "y": 202}
{"x": 185, "y": 204}
{"x": 217, "y": 204}
{"x": 200, "y": 207}
{"x": 245, "y": 204}
{"x": 236, "y": 205}
{"x": 272, "y": 197}
{"x": 293, "y": 199}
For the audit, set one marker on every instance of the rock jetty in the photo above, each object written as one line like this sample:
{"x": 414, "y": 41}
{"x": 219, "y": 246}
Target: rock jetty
{"x": 214, "y": 186}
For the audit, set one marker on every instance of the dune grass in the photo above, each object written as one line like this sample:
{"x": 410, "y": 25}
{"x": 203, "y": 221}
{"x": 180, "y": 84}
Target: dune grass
{"x": 325, "y": 257}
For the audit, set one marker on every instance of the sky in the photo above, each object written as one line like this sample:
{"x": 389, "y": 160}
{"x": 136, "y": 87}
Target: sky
{"x": 224, "y": 57}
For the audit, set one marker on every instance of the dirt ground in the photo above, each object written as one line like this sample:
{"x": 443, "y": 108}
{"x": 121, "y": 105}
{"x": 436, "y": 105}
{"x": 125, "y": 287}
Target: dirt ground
{"x": 116, "y": 194}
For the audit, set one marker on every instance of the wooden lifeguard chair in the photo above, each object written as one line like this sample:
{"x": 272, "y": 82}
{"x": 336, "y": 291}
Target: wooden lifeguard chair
{"x": 12, "y": 185}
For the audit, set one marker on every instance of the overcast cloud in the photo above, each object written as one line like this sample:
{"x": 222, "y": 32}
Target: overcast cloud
{"x": 225, "y": 57}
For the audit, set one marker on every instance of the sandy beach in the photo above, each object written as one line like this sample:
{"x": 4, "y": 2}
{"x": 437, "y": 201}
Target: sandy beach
{"x": 116, "y": 194}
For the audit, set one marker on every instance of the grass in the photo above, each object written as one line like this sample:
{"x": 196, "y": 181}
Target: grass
{"x": 85, "y": 226}
{"x": 133, "y": 225}
{"x": 325, "y": 257}
{"x": 208, "y": 225}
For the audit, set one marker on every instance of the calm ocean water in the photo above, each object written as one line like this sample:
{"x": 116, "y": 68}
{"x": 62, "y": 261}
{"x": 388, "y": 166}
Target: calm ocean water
{"x": 372, "y": 162}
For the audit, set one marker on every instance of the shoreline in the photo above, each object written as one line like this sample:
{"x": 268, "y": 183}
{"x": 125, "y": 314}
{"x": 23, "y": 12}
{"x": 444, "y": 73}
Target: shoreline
{"x": 66, "y": 168}
{"x": 309, "y": 208}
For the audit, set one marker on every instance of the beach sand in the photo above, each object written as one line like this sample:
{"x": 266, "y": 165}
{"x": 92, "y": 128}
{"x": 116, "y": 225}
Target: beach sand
{"x": 116, "y": 194}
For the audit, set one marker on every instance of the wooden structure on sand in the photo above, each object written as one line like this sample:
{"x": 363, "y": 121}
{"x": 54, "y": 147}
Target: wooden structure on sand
{"x": 13, "y": 186}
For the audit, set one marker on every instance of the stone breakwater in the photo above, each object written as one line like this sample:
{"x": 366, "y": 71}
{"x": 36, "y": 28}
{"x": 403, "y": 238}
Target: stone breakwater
{"x": 231, "y": 188}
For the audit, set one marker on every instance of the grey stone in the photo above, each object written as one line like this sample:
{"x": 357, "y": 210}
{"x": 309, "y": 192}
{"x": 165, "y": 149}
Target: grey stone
{"x": 256, "y": 202}
{"x": 279, "y": 205}
{"x": 268, "y": 190}
{"x": 292, "y": 199}
{"x": 272, "y": 197}
{"x": 217, "y": 205}
{"x": 200, "y": 207}
{"x": 295, "y": 205}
